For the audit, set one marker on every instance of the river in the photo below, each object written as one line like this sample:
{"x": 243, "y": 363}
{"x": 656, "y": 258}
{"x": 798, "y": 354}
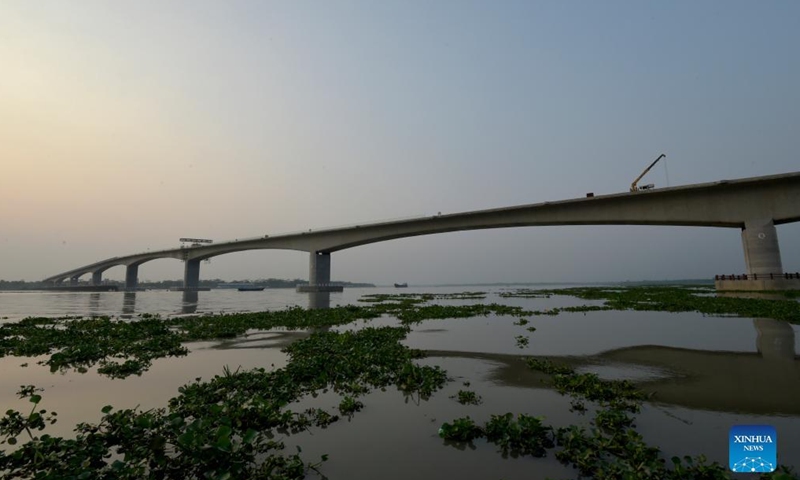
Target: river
{"x": 709, "y": 373}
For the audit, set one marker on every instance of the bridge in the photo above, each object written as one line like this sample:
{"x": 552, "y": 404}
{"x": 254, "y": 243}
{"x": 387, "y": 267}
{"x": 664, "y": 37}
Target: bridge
{"x": 753, "y": 205}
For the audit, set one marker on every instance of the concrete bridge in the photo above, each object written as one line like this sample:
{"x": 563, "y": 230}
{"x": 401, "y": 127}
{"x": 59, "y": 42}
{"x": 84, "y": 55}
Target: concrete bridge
{"x": 753, "y": 205}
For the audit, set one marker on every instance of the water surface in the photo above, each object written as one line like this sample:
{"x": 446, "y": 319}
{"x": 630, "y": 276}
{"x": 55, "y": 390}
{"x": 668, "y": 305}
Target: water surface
{"x": 708, "y": 373}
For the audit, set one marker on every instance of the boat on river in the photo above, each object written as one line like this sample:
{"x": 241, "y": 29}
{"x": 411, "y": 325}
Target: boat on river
{"x": 400, "y": 285}
{"x": 251, "y": 288}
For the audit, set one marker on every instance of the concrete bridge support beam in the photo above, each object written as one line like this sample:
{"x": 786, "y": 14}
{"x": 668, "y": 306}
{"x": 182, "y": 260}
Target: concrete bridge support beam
{"x": 74, "y": 281}
{"x": 191, "y": 275}
{"x": 131, "y": 277}
{"x": 761, "y": 252}
{"x": 97, "y": 278}
{"x": 319, "y": 274}
{"x": 319, "y": 271}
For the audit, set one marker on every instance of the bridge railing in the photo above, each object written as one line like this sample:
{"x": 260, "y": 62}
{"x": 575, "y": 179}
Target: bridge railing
{"x": 760, "y": 276}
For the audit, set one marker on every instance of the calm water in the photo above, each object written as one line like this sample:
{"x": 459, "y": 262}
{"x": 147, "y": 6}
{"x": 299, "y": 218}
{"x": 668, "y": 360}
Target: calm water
{"x": 709, "y": 373}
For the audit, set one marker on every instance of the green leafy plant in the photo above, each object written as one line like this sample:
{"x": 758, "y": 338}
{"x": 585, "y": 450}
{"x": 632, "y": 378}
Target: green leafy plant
{"x": 460, "y": 430}
{"x": 467, "y": 397}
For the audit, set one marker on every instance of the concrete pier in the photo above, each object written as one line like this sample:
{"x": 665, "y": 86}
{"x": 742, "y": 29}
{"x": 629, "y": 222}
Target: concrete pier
{"x": 131, "y": 277}
{"x": 319, "y": 274}
{"x": 191, "y": 275}
{"x": 762, "y": 259}
{"x": 761, "y": 252}
{"x": 97, "y": 278}
{"x": 319, "y": 268}
{"x": 319, "y": 288}
{"x": 319, "y": 300}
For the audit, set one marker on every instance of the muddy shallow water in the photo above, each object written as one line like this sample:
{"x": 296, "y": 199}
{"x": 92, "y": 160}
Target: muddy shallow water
{"x": 707, "y": 373}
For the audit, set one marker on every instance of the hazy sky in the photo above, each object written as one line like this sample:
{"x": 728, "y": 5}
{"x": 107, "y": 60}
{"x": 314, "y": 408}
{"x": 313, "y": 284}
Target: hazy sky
{"x": 127, "y": 125}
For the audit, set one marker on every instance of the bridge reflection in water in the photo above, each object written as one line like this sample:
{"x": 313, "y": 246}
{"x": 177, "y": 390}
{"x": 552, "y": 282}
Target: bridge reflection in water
{"x": 190, "y": 300}
{"x": 763, "y": 382}
{"x": 766, "y": 381}
{"x": 128, "y": 304}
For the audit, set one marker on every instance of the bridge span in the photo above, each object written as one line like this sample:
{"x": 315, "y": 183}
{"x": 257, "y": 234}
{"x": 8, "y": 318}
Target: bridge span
{"x": 753, "y": 205}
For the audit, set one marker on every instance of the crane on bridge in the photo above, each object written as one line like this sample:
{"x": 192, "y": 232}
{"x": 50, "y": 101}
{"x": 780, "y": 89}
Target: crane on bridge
{"x": 634, "y": 187}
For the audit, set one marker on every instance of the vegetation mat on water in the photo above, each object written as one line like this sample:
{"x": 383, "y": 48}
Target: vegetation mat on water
{"x": 610, "y": 449}
{"x": 674, "y": 299}
{"x": 420, "y": 297}
{"x": 225, "y": 427}
{"x": 122, "y": 348}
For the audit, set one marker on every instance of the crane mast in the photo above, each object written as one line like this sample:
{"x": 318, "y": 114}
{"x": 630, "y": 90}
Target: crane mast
{"x": 634, "y": 187}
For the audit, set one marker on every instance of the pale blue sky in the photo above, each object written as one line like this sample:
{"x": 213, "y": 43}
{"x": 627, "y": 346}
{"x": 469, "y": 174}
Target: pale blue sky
{"x": 126, "y": 125}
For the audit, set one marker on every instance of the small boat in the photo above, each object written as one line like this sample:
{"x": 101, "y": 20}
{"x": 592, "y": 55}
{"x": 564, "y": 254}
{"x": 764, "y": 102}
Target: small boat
{"x": 400, "y": 285}
{"x": 251, "y": 289}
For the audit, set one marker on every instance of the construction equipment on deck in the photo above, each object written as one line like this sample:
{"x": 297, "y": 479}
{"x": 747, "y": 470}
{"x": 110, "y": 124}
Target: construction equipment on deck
{"x": 634, "y": 187}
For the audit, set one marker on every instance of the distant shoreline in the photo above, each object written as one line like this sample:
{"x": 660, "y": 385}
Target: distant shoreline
{"x": 691, "y": 281}
{"x": 280, "y": 283}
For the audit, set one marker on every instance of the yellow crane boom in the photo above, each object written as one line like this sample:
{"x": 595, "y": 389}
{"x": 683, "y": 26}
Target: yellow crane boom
{"x": 634, "y": 187}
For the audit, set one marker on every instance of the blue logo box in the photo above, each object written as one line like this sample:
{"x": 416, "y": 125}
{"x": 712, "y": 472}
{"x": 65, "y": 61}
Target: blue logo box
{"x": 752, "y": 448}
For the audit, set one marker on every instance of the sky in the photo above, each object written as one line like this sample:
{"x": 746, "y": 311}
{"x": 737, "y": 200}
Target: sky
{"x": 125, "y": 126}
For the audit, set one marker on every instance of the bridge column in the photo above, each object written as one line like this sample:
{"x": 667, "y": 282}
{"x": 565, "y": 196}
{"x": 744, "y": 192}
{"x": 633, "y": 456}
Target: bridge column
{"x": 131, "y": 277}
{"x": 319, "y": 274}
{"x": 319, "y": 268}
{"x": 191, "y": 275}
{"x": 73, "y": 281}
{"x": 761, "y": 252}
{"x": 319, "y": 300}
{"x": 97, "y": 278}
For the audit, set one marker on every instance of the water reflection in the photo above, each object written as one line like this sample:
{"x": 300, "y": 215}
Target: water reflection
{"x": 762, "y": 382}
{"x": 94, "y": 304}
{"x": 775, "y": 339}
{"x": 128, "y": 304}
{"x": 189, "y": 299}
{"x": 723, "y": 381}
{"x": 273, "y": 339}
{"x": 319, "y": 300}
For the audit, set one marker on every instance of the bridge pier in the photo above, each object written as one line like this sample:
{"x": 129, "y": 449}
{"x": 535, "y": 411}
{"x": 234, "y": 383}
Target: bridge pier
{"x": 73, "y": 281}
{"x": 97, "y": 278}
{"x": 189, "y": 300}
{"x": 319, "y": 274}
{"x": 762, "y": 258}
{"x": 191, "y": 275}
{"x": 761, "y": 252}
{"x": 319, "y": 268}
{"x": 131, "y": 277}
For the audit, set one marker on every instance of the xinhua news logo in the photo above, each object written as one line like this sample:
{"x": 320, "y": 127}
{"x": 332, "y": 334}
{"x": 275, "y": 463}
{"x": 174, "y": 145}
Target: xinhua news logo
{"x": 752, "y": 448}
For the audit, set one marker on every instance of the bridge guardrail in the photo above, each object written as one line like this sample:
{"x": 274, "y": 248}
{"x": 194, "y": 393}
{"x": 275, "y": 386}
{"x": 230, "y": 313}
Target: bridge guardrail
{"x": 762, "y": 276}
